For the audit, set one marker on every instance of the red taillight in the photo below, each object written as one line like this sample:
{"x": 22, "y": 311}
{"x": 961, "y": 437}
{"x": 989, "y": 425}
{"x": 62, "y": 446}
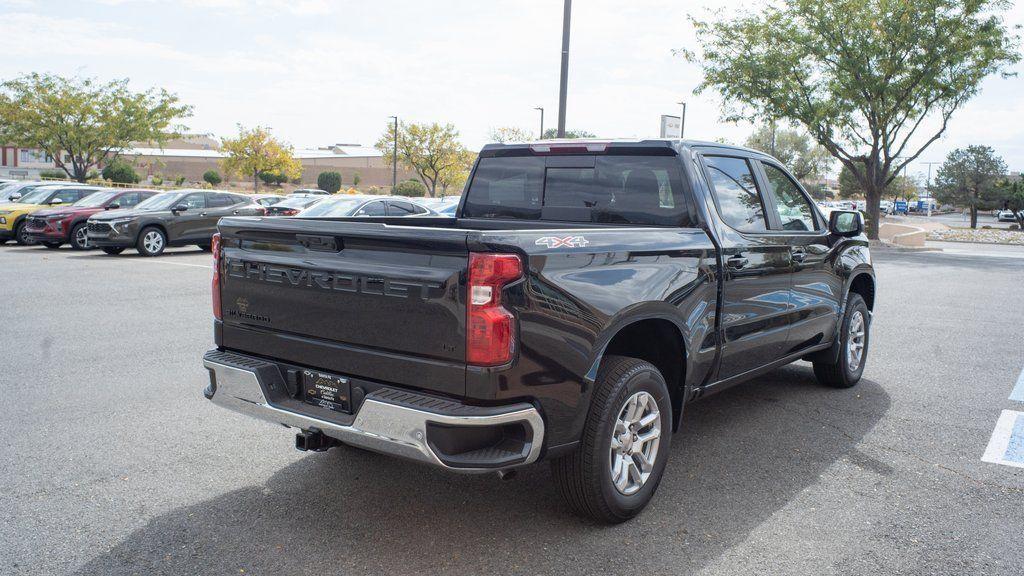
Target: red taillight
{"x": 289, "y": 212}
{"x": 216, "y": 250}
{"x": 490, "y": 338}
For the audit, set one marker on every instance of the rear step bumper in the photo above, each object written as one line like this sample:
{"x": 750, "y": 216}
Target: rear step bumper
{"x": 435, "y": 431}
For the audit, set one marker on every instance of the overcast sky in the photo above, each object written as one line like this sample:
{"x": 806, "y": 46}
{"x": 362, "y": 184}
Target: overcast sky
{"x": 319, "y": 72}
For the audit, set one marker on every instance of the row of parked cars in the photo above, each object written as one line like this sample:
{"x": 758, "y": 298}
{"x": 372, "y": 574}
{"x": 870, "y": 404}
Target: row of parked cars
{"x": 115, "y": 219}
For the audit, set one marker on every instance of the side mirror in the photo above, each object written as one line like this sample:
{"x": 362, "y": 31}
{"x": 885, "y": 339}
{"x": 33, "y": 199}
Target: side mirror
{"x": 845, "y": 223}
{"x": 15, "y": 197}
{"x": 180, "y": 208}
{"x": 113, "y": 206}
{"x": 56, "y": 201}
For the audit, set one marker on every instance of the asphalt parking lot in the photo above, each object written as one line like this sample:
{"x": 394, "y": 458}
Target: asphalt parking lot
{"x": 114, "y": 463}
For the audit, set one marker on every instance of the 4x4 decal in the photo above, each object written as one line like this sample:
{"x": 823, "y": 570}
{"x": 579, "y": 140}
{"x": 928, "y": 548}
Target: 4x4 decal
{"x": 559, "y": 241}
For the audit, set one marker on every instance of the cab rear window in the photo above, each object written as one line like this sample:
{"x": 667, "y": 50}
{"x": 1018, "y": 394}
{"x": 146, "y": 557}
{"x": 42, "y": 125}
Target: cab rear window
{"x": 611, "y": 189}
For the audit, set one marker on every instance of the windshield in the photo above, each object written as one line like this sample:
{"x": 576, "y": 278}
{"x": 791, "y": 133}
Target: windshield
{"x": 300, "y": 202}
{"x": 94, "y": 200}
{"x": 36, "y": 196}
{"x": 159, "y": 202}
{"x": 334, "y": 207}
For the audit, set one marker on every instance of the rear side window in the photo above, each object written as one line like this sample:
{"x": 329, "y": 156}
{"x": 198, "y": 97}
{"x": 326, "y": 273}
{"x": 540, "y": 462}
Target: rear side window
{"x": 373, "y": 209}
{"x": 220, "y": 200}
{"x": 128, "y": 200}
{"x": 736, "y": 194}
{"x": 613, "y": 189}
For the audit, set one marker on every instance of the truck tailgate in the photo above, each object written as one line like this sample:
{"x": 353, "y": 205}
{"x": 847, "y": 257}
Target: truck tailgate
{"x": 363, "y": 299}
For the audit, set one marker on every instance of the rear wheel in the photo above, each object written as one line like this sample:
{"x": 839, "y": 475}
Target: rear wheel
{"x": 52, "y": 245}
{"x": 80, "y": 237}
{"x": 112, "y": 250}
{"x": 152, "y": 241}
{"x": 843, "y": 368}
{"x": 615, "y": 471}
{"x": 21, "y": 235}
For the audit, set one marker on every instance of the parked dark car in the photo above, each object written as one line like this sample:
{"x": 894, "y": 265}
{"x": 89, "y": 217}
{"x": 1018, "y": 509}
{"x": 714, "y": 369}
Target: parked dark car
{"x": 267, "y": 199}
{"x": 292, "y": 205}
{"x": 55, "y": 226}
{"x": 583, "y": 295}
{"x": 174, "y": 218}
{"x": 364, "y": 206}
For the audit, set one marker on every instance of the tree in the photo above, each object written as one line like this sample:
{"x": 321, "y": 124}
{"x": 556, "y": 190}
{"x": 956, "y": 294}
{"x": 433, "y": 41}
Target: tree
{"x": 256, "y": 151}
{"x": 508, "y": 134}
{"x": 120, "y": 171}
{"x": 356, "y": 179}
{"x": 968, "y": 178}
{"x": 413, "y": 188}
{"x": 804, "y": 157}
{"x": 212, "y": 177}
{"x": 82, "y": 123}
{"x": 431, "y": 150}
{"x": 329, "y": 181}
{"x": 455, "y": 176}
{"x": 553, "y": 133}
{"x": 1010, "y": 196}
{"x": 875, "y": 82}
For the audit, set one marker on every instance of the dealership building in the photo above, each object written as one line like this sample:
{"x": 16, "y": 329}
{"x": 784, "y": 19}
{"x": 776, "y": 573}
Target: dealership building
{"x": 192, "y": 155}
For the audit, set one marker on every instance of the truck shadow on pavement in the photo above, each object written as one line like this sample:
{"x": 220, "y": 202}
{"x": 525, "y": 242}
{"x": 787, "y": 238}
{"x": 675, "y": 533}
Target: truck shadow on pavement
{"x": 740, "y": 456}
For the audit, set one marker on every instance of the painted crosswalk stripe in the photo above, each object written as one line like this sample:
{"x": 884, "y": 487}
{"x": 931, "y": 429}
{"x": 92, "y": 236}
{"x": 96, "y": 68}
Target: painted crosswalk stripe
{"x": 1007, "y": 443}
{"x": 1018, "y": 390}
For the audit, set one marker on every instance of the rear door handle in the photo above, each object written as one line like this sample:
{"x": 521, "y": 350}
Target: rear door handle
{"x": 737, "y": 262}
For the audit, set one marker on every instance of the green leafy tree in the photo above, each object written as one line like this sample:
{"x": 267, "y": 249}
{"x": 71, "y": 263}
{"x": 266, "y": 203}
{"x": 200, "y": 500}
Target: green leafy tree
{"x": 82, "y": 123}
{"x": 1009, "y": 195}
{"x": 553, "y": 133}
{"x": 329, "y": 181}
{"x": 875, "y": 82}
{"x": 213, "y": 177}
{"x": 968, "y": 178}
{"x": 804, "y": 157}
{"x": 412, "y": 188}
{"x": 255, "y": 151}
{"x": 433, "y": 151}
{"x": 120, "y": 171}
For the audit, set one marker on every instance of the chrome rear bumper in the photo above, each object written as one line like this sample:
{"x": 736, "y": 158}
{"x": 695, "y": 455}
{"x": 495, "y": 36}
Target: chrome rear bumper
{"x": 388, "y": 420}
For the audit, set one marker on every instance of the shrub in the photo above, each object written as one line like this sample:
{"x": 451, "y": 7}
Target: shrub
{"x": 356, "y": 179}
{"x": 53, "y": 174}
{"x": 376, "y": 190}
{"x": 212, "y": 177}
{"x": 120, "y": 171}
{"x": 1013, "y": 227}
{"x": 329, "y": 181}
{"x": 268, "y": 177}
{"x": 412, "y": 188}
{"x": 280, "y": 179}
{"x": 90, "y": 175}
{"x": 157, "y": 180}
{"x": 179, "y": 180}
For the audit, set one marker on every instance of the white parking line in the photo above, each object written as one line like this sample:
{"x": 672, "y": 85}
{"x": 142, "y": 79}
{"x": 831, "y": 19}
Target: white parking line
{"x": 1006, "y": 446}
{"x": 1018, "y": 390}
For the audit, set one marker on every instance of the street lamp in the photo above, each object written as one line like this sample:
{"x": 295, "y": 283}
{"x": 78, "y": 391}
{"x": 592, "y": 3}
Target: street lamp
{"x": 928, "y": 185}
{"x": 682, "y": 120}
{"x": 541, "y": 136}
{"x": 564, "y": 76}
{"x": 394, "y": 156}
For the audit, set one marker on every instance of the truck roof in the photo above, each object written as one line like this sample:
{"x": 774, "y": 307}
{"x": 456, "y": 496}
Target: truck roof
{"x": 600, "y": 144}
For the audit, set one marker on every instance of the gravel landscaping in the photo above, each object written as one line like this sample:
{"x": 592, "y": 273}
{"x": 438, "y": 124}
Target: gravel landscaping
{"x": 982, "y": 236}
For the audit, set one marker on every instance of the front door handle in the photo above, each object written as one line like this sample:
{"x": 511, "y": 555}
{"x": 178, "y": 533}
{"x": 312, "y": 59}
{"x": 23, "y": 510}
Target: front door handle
{"x": 737, "y": 262}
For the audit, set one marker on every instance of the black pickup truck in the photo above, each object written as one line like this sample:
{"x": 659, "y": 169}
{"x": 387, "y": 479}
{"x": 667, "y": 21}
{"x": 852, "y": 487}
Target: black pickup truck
{"x": 583, "y": 294}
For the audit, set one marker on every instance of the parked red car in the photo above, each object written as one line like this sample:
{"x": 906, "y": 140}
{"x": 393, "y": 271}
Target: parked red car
{"x": 55, "y": 226}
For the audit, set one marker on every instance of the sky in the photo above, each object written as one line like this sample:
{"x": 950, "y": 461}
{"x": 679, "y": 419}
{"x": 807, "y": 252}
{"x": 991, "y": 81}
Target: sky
{"x": 319, "y": 72}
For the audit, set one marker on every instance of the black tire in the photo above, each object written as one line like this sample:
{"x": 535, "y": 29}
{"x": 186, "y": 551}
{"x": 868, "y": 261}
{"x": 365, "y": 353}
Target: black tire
{"x": 78, "y": 235}
{"x": 148, "y": 245}
{"x": 19, "y": 235}
{"x": 584, "y": 477}
{"x": 112, "y": 250}
{"x": 52, "y": 245}
{"x": 834, "y": 368}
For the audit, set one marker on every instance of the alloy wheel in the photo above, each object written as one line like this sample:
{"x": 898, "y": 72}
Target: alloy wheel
{"x": 153, "y": 241}
{"x": 634, "y": 444}
{"x": 82, "y": 237}
{"x": 855, "y": 341}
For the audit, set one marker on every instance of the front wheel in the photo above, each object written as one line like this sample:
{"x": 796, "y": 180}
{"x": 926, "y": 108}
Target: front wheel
{"x": 152, "y": 241}
{"x": 21, "y": 235}
{"x": 626, "y": 441}
{"x": 80, "y": 237}
{"x": 843, "y": 368}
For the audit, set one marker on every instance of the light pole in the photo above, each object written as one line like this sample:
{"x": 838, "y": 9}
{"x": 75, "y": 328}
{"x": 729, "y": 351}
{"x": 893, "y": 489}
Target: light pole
{"x": 928, "y": 185}
{"x": 564, "y": 77}
{"x": 541, "y": 108}
{"x": 394, "y": 156}
{"x": 682, "y": 120}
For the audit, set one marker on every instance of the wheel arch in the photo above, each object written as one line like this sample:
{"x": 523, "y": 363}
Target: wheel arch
{"x": 862, "y": 282}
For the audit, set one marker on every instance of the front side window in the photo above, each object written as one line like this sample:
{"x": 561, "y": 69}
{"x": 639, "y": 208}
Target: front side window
{"x": 193, "y": 201}
{"x": 71, "y": 195}
{"x": 736, "y": 193}
{"x": 794, "y": 210}
{"x": 128, "y": 200}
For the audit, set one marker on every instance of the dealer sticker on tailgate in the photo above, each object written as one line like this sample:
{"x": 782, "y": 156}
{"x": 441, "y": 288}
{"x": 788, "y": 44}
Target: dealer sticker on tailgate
{"x": 326, "y": 390}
